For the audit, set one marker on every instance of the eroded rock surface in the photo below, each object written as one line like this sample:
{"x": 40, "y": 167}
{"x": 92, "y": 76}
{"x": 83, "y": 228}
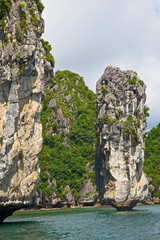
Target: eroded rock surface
{"x": 121, "y": 123}
{"x": 23, "y": 71}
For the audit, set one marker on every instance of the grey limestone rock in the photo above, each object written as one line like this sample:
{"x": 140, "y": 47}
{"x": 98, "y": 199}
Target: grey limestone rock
{"x": 52, "y": 103}
{"x": 23, "y": 71}
{"x": 121, "y": 123}
{"x": 88, "y": 194}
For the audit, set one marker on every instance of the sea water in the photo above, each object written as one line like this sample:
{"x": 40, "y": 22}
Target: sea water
{"x": 84, "y": 224}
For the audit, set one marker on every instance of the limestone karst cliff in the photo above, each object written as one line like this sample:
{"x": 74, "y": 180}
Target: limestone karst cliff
{"x": 67, "y": 159}
{"x": 121, "y": 123}
{"x": 24, "y": 68}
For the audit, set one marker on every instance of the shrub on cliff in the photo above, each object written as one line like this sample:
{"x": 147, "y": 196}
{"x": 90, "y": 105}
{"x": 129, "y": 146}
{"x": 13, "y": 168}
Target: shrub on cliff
{"x": 5, "y": 7}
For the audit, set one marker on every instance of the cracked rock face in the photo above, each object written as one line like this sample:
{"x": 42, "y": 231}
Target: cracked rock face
{"x": 121, "y": 123}
{"x": 23, "y": 71}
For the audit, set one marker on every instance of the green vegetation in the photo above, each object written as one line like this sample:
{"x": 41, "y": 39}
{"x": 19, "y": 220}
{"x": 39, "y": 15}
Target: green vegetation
{"x": 47, "y": 47}
{"x": 107, "y": 119}
{"x": 5, "y": 7}
{"x": 152, "y": 157}
{"x": 6, "y": 38}
{"x": 23, "y": 16}
{"x": 133, "y": 80}
{"x": 18, "y": 34}
{"x": 141, "y": 83}
{"x": 50, "y": 59}
{"x": 104, "y": 91}
{"x": 146, "y": 109}
{"x": 130, "y": 125}
{"x": 65, "y": 154}
{"x": 21, "y": 154}
{"x": 22, "y": 5}
{"x": 33, "y": 18}
{"x": 40, "y": 6}
{"x": 134, "y": 73}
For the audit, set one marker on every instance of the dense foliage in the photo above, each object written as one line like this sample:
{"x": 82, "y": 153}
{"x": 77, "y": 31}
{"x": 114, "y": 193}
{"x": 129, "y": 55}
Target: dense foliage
{"x": 5, "y": 7}
{"x": 152, "y": 157}
{"x": 66, "y": 153}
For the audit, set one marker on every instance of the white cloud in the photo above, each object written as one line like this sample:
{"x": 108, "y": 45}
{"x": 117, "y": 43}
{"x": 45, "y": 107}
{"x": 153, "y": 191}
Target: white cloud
{"x": 88, "y": 35}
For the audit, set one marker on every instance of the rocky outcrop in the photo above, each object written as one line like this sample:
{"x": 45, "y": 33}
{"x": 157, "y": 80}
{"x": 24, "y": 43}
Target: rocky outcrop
{"x": 24, "y": 69}
{"x": 121, "y": 123}
{"x": 67, "y": 159}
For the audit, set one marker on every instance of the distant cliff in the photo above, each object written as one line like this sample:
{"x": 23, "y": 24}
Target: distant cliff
{"x": 121, "y": 126}
{"x": 25, "y": 65}
{"x": 67, "y": 158}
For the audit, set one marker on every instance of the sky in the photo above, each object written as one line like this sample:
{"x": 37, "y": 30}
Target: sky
{"x": 88, "y": 35}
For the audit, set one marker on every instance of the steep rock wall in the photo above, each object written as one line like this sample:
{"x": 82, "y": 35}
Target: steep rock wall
{"x": 23, "y": 71}
{"x": 121, "y": 123}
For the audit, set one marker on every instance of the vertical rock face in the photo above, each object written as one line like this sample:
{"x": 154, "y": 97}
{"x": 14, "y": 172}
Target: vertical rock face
{"x": 23, "y": 70}
{"x": 121, "y": 125}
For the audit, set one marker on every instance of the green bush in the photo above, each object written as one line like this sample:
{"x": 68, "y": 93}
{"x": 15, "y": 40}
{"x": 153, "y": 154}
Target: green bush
{"x": 46, "y": 45}
{"x": 48, "y": 48}
{"x": 133, "y": 80}
{"x": 109, "y": 120}
{"x": 5, "y": 7}
{"x": 33, "y": 18}
{"x": 21, "y": 154}
{"x": 146, "y": 109}
{"x": 50, "y": 59}
{"x": 104, "y": 91}
{"x": 141, "y": 83}
{"x": 40, "y": 6}
{"x": 18, "y": 34}
{"x": 22, "y": 5}
{"x": 23, "y": 17}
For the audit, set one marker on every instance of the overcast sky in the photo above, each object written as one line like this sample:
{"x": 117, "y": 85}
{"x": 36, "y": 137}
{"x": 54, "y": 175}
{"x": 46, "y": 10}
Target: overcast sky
{"x": 89, "y": 35}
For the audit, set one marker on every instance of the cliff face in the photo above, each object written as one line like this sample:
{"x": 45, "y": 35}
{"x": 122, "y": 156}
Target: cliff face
{"x": 23, "y": 71}
{"x": 67, "y": 158}
{"x": 121, "y": 125}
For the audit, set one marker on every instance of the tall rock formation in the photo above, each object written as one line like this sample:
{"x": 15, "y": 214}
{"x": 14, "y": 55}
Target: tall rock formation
{"x": 121, "y": 123}
{"x": 67, "y": 159}
{"x": 24, "y": 68}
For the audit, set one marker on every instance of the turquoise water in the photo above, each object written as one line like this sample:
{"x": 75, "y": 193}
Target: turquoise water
{"x": 84, "y": 224}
